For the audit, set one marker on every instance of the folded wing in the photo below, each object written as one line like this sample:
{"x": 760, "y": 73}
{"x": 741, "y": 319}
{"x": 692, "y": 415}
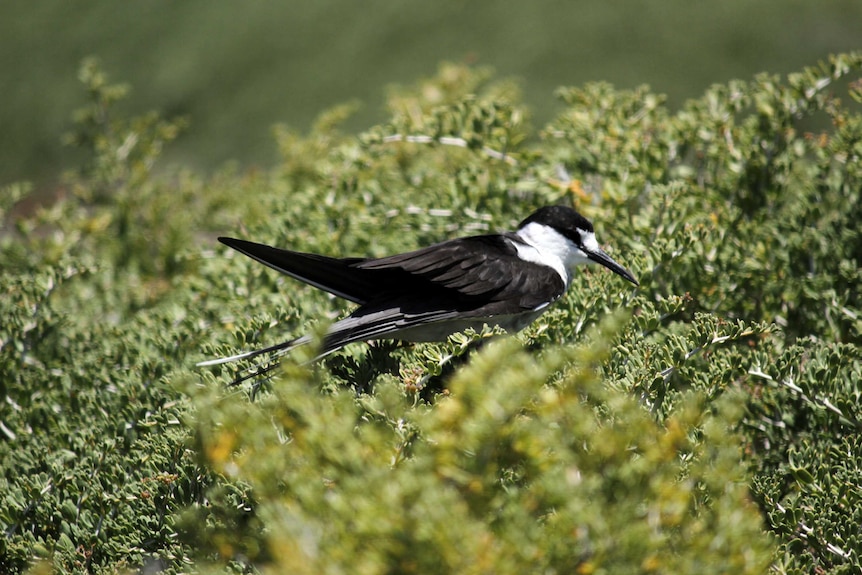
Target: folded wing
{"x": 479, "y": 268}
{"x": 334, "y": 275}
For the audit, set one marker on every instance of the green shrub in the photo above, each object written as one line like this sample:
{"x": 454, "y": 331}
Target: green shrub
{"x": 506, "y": 474}
{"x": 704, "y": 422}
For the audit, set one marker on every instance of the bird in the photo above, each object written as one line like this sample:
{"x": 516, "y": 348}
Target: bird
{"x": 505, "y": 279}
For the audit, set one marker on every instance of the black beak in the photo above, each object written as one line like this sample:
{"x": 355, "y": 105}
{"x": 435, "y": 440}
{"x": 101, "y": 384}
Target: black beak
{"x": 599, "y": 256}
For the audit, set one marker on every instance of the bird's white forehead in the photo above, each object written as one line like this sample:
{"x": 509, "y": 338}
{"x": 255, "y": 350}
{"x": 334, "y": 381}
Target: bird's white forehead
{"x": 588, "y": 239}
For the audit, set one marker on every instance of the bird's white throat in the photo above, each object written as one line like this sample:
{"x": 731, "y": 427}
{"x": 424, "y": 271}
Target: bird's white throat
{"x": 547, "y": 246}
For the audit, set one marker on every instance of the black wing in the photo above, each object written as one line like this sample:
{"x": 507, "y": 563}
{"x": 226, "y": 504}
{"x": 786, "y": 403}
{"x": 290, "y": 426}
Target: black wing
{"x": 484, "y": 268}
{"x": 459, "y": 274}
{"x": 335, "y": 275}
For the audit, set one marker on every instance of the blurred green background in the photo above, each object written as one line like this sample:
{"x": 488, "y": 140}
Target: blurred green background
{"x": 236, "y": 68}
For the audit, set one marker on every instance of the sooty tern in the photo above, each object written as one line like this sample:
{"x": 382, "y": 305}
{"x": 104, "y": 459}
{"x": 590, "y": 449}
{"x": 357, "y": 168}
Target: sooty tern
{"x": 505, "y": 280}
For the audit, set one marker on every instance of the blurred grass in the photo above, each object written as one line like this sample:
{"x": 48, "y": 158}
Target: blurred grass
{"x": 235, "y": 69}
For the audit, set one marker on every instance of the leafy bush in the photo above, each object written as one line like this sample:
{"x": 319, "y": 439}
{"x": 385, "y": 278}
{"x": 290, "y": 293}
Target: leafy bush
{"x": 704, "y": 422}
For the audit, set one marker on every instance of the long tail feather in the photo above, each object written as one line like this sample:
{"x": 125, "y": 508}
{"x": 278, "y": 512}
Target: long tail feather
{"x": 335, "y": 275}
{"x": 284, "y": 346}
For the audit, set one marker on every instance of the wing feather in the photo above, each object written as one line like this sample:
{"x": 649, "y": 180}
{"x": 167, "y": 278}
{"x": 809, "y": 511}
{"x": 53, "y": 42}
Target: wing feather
{"x": 478, "y": 266}
{"x": 368, "y": 323}
{"x": 338, "y": 276}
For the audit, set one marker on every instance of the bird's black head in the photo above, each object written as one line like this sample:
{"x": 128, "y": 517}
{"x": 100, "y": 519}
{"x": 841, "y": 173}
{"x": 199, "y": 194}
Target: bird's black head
{"x": 565, "y": 220}
{"x": 577, "y": 232}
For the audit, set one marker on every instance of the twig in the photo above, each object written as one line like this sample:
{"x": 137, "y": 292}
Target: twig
{"x": 450, "y": 141}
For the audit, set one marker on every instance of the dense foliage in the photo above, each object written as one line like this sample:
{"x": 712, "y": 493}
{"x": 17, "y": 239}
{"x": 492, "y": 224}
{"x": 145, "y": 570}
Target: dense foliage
{"x": 707, "y": 421}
